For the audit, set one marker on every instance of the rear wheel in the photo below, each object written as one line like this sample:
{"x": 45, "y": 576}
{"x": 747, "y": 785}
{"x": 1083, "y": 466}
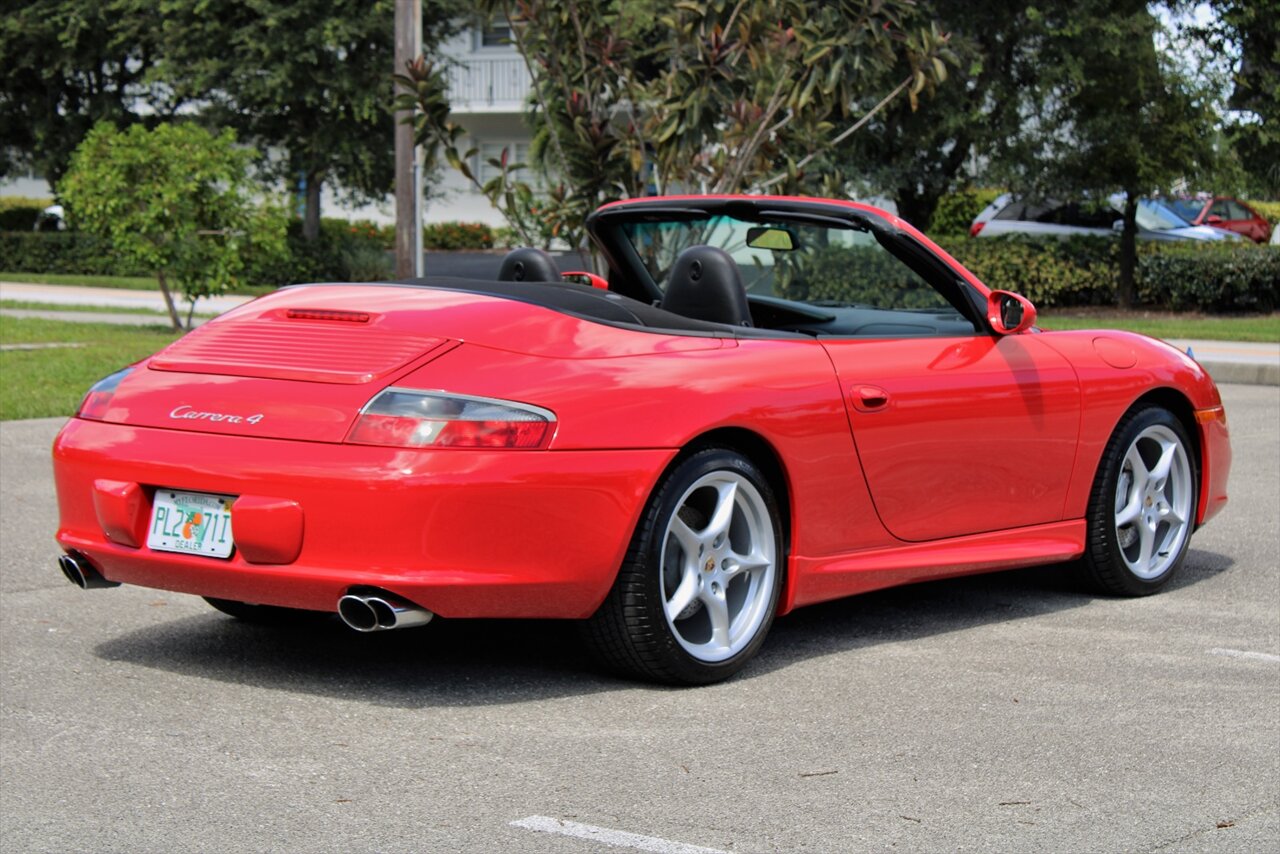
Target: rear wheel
{"x": 1142, "y": 508}
{"x": 698, "y": 589}
{"x": 266, "y": 615}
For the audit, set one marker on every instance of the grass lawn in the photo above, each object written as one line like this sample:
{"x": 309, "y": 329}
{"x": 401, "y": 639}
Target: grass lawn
{"x": 48, "y": 382}
{"x": 163, "y": 316}
{"x": 1246, "y": 327}
{"x": 128, "y": 283}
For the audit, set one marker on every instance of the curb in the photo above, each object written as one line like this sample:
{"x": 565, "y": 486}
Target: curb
{"x": 1243, "y": 373}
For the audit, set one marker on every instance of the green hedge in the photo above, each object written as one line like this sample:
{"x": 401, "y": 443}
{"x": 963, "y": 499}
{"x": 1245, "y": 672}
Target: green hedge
{"x": 956, "y": 211}
{"x": 1084, "y": 271}
{"x": 457, "y": 235}
{"x": 61, "y": 252}
{"x": 350, "y": 252}
{"x": 1211, "y": 277}
{"x": 19, "y": 217}
{"x": 1270, "y": 210}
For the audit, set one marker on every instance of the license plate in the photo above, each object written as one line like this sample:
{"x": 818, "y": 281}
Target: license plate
{"x": 191, "y": 523}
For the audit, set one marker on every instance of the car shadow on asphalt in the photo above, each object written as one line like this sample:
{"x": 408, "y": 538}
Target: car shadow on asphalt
{"x": 484, "y": 662}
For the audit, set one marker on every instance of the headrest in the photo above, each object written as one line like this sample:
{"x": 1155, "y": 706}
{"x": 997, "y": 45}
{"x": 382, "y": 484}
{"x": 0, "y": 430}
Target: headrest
{"x": 705, "y": 285}
{"x": 528, "y": 265}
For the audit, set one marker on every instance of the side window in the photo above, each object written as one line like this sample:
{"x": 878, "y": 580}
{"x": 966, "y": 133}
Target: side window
{"x": 1238, "y": 211}
{"x": 1221, "y": 209}
{"x": 850, "y": 268}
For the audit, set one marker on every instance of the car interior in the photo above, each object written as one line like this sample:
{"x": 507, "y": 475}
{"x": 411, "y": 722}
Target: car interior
{"x": 748, "y": 268}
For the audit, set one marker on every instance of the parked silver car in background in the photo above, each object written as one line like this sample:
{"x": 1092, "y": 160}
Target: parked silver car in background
{"x": 1009, "y": 214}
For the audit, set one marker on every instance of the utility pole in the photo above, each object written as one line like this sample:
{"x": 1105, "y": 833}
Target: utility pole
{"x": 408, "y": 163}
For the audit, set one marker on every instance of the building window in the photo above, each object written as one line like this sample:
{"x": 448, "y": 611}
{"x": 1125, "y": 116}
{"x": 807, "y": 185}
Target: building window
{"x": 493, "y": 34}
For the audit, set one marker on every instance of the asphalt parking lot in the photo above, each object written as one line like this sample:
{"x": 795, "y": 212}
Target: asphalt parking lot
{"x": 1006, "y": 712}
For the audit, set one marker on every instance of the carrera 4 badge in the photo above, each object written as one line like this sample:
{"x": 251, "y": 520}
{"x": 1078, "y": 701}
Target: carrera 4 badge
{"x": 188, "y": 413}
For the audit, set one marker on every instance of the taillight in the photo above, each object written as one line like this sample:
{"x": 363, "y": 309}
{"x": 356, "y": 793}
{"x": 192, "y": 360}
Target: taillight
{"x": 418, "y": 419}
{"x": 975, "y": 228}
{"x": 94, "y": 405}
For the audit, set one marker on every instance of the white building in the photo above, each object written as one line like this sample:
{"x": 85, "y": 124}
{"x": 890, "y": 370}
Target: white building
{"x": 488, "y": 87}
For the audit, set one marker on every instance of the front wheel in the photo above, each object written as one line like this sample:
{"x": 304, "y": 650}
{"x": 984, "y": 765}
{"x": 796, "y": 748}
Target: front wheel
{"x": 698, "y": 589}
{"x": 1142, "y": 508}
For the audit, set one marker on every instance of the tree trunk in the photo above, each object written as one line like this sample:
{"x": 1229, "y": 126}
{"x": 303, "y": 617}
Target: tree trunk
{"x": 311, "y": 218}
{"x": 1128, "y": 251}
{"x": 916, "y": 207}
{"x": 168, "y": 301}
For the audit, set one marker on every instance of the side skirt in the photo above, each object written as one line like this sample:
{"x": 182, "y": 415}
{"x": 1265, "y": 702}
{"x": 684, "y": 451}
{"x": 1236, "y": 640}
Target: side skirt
{"x": 821, "y": 579}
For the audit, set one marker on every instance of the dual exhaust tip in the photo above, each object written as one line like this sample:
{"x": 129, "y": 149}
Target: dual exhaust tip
{"x": 363, "y": 609}
{"x": 373, "y": 610}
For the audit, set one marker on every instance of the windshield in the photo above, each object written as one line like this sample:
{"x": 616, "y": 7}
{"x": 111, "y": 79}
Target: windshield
{"x": 1158, "y": 216}
{"x": 828, "y": 265}
{"x": 1188, "y": 209}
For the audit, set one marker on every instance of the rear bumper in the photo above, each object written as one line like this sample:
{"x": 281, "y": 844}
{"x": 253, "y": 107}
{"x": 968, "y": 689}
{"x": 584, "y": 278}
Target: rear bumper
{"x": 463, "y": 533}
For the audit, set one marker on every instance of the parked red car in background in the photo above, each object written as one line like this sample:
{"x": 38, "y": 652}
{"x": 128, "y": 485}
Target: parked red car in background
{"x": 1222, "y": 212}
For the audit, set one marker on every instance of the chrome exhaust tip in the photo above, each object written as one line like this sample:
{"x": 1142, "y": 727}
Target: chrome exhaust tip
{"x": 379, "y": 611}
{"x": 80, "y": 572}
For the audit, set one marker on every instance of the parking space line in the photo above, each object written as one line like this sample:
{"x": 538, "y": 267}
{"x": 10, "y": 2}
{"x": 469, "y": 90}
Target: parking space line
{"x": 605, "y": 836}
{"x": 1251, "y": 656}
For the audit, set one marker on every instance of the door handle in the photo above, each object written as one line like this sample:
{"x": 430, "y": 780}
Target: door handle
{"x": 869, "y": 398}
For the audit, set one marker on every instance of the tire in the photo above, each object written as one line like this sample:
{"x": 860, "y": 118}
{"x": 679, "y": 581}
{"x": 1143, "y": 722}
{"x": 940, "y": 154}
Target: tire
{"x": 1143, "y": 504}
{"x": 697, "y": 591}
{"x": 263, "y": 615}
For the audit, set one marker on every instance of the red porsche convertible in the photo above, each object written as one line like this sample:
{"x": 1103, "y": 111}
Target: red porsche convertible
{"x": 768, "y": 402}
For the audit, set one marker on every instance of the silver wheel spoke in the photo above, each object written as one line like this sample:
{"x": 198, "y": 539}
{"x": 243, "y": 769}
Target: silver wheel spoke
{"x": 718, "y": 611}
{"x": 689, "y": 540}
{"x": 1147, "y": 540}
{"x": 723, "y": 515}
{"x": 684, "y": 593}
{"x": 1139, "y": 468}
{"x": 1160, "y": 470}
{"x": 1132, "y": 510}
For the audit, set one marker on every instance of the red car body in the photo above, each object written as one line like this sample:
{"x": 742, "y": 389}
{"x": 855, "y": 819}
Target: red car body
{"x": 1225, "y": 213}
{"x": 895, "y": 459}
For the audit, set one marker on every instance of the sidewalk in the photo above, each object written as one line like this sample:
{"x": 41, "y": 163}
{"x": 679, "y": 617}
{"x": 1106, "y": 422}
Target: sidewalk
{"x": 1226, "y": 361}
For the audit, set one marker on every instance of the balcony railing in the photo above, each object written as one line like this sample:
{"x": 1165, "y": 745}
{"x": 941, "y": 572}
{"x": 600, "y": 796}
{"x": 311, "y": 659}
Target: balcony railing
{"x": 479, "y": 83}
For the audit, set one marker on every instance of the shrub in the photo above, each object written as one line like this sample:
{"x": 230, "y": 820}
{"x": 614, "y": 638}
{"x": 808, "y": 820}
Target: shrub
{"x": 457, "y": 235}
{"x": 64, "y": 252}
{"x": 38, "y": 202}
{"x": 1047, "y": 271}
{"x": 1084, "y": 271}
{"x": 176, "y": 199}
{"x": 19, "y": 217}
{"x": 1210, "y": 277}
{"x": 1270, "y": 210}
{"x": 957, "y": 210}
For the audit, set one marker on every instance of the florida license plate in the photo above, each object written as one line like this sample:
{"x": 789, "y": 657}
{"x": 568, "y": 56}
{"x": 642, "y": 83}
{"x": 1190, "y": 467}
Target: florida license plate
{"x": 195, "y": 523}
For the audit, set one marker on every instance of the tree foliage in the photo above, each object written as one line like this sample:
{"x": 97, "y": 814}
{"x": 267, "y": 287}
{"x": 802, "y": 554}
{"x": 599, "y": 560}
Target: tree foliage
{"x": 703, "y": 95}
{"x": 1108, "y": 112}
{"x": 918, "y": 154}
{"x": 310, "y": 78}
{"x": 67, "y": 64}
{"x": 176, "y": 200}
{"x": 1250, "y": 31}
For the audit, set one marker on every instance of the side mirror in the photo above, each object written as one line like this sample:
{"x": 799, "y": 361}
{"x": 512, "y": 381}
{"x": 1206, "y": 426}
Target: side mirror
{"x": 1213, "y": 219}
{"x": 1009, "y": 313}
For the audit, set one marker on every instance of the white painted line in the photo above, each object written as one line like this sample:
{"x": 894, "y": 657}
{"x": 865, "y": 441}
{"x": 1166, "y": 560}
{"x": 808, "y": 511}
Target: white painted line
{"x": 1251, "y": 656}
{"x": 604, "y": 836}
